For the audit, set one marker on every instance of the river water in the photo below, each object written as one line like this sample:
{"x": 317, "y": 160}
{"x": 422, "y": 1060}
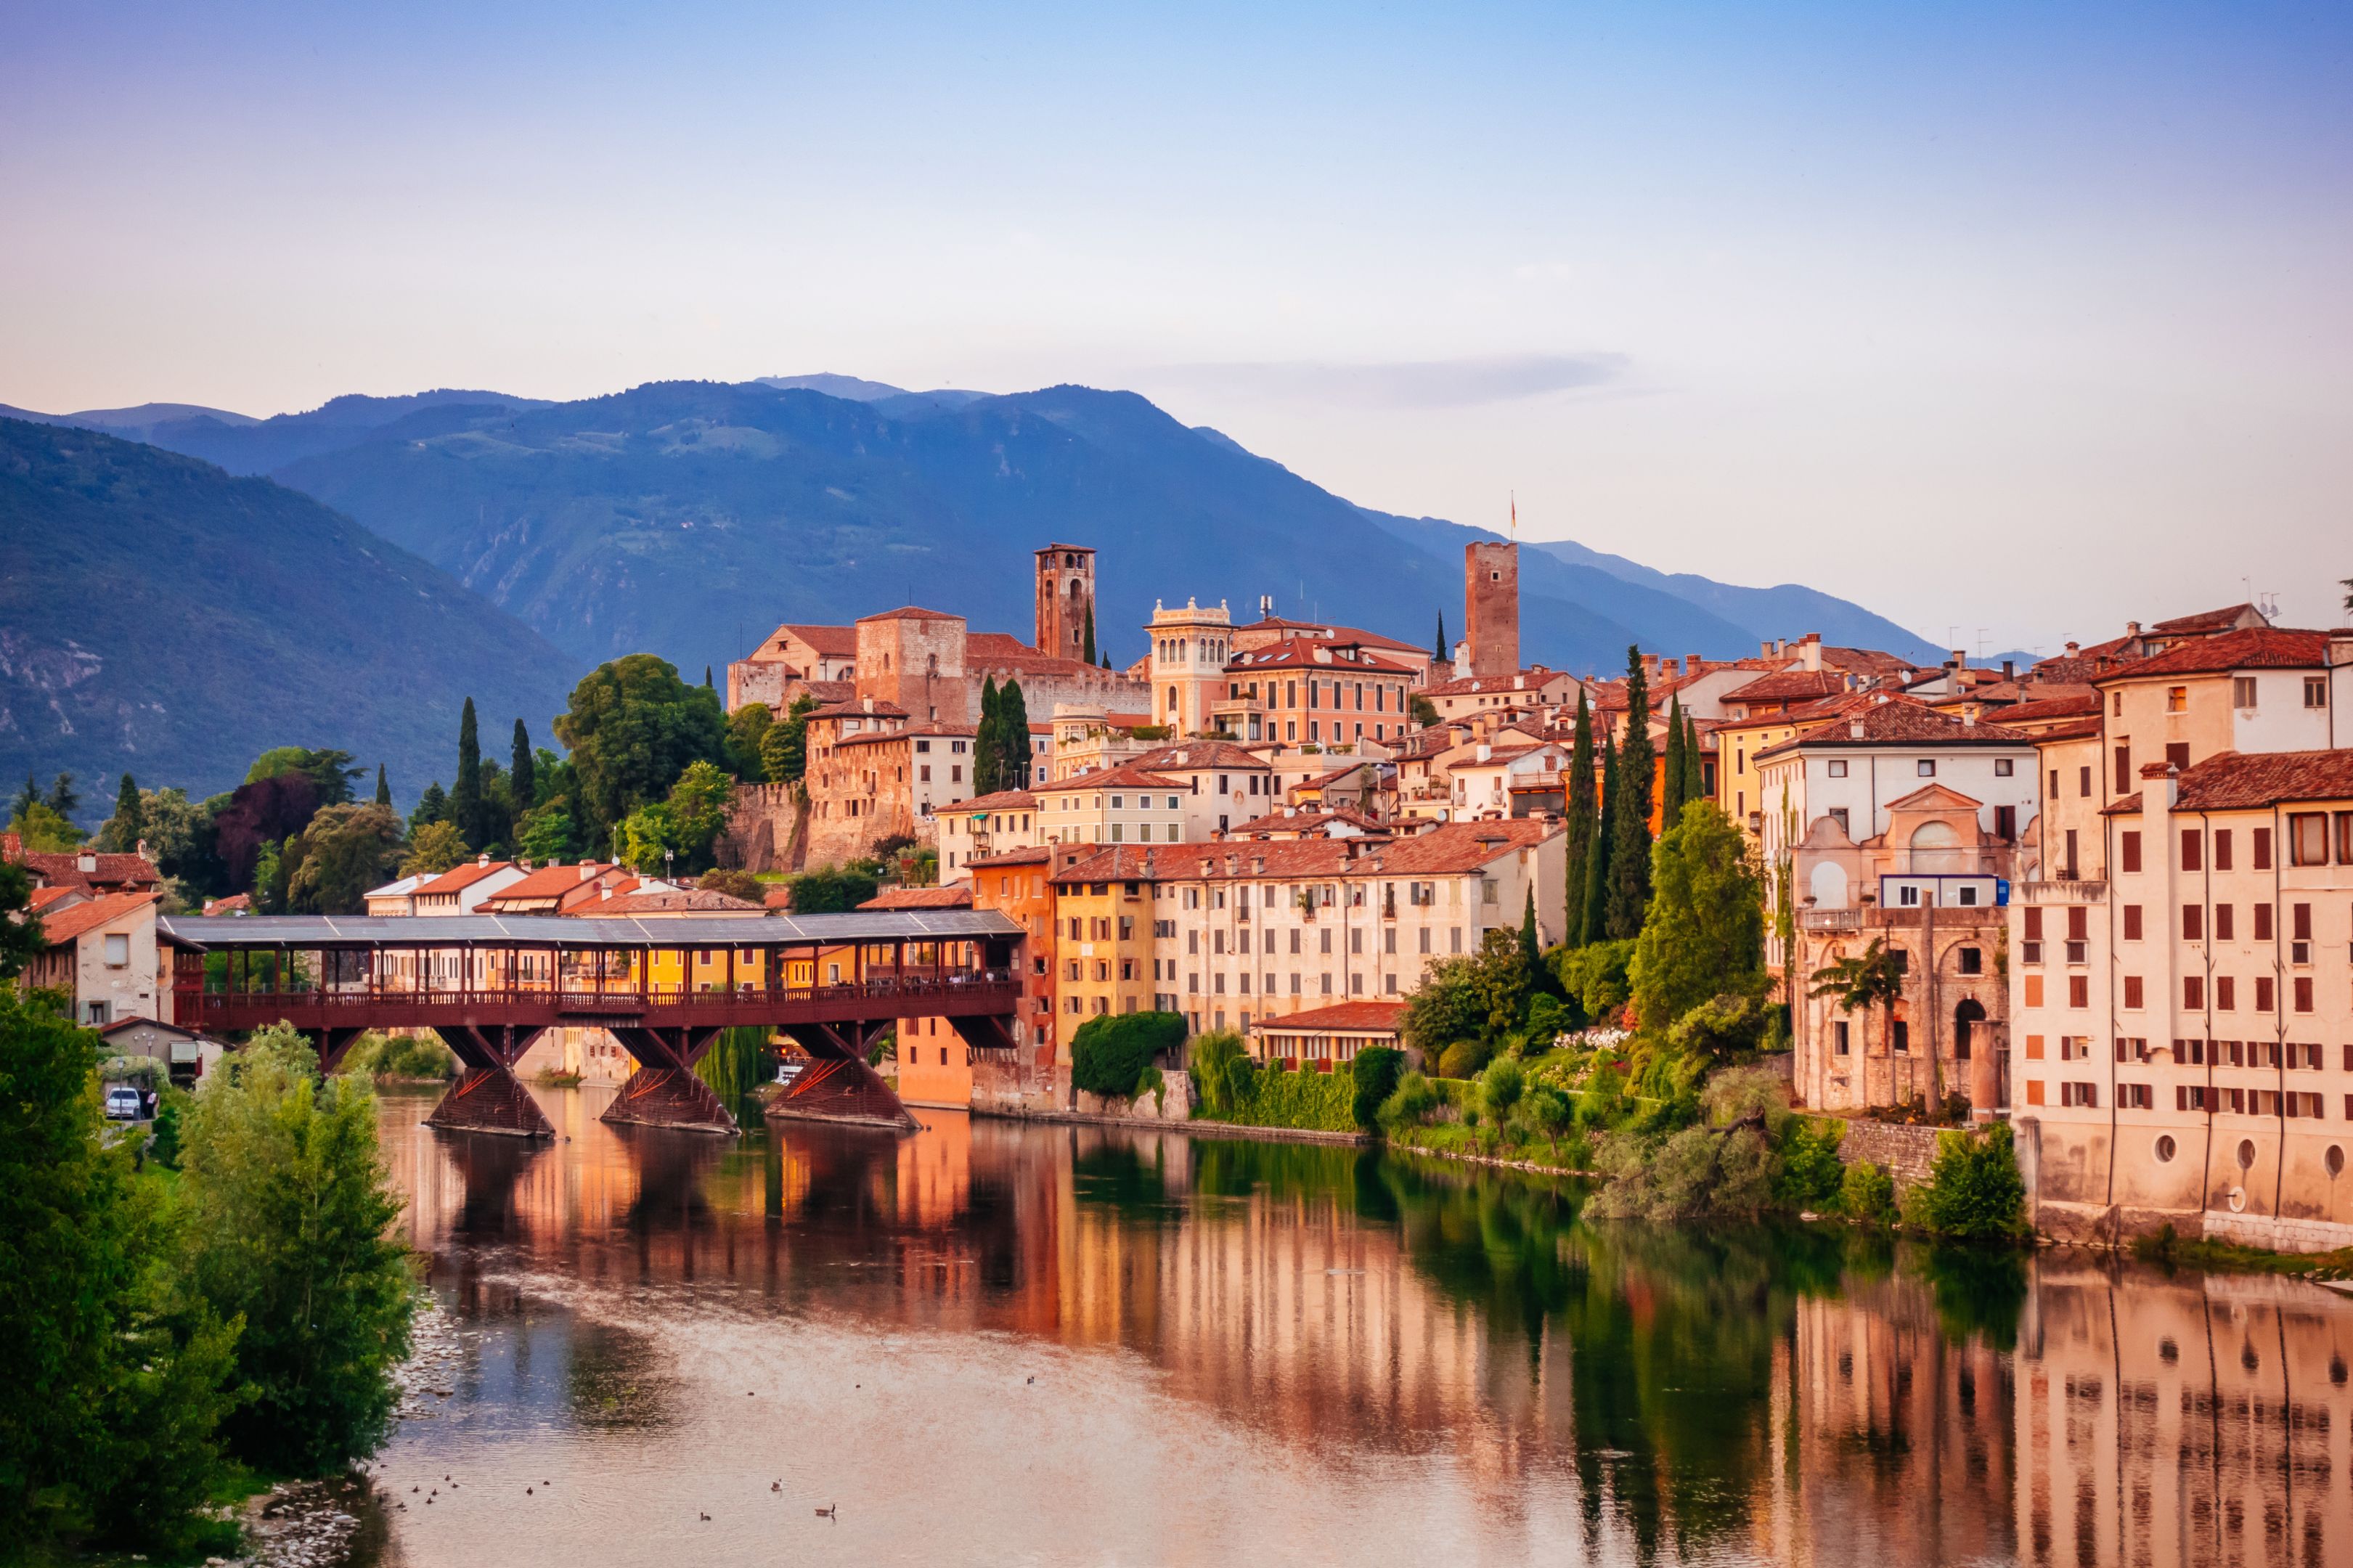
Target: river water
{"x": 996, "y": 1342}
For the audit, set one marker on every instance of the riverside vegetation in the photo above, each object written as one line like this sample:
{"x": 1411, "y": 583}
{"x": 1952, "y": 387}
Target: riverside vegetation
{"x": 187, "y": 1317}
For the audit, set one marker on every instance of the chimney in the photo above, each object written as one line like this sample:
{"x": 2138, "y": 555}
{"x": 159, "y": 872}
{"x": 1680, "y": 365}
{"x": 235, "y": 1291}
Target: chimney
{"x": 1961, "y": 658}
{"x": 1969, "y": 718}
{"x": 1485, "y": 751}
{"x": 1258, "y": 865}
{"x": 605, "y": 892}
{"x": 1691, "y": 663}
{"x": 2010, "y": 669}
{"x": 868, "y": 702}
{"x": 86, "y": 861}
{"x": 2132, "y": 628}
{"x": 1854, "y": 728}
{"x": 2340, "y": 652}
{"x": 2071, "y": 649}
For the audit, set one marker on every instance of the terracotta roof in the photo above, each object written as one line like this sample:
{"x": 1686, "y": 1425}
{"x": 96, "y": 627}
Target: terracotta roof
{"x": 2086, "y": 728}
{"x": 66, "y": 925}
{"x": 956, "y": 898}
{"x": 1453, "y": 848}
{"x": 1526, "y": 682}
{"x": 1341, "y": 1018}
{"x": 1132, "y": 776}
{"x": 907, "y": 732}
{"x": 1047, "y": 549}
{"x": 1038, "y": 855}
{"x": 1900, "y": 720}
{"x": 234, "y": 904}
{"x": 1339, "y": 633}
{"x": 833, "y": 642}
{"x": 44, "y": 897}
{"x": 457, "y": 878}
{"x": 2125, "y": 805}
{"x": 777, "y": 894}
{"x": 1865, "y": 660}
{"x": 1003, "y": 799}
{"x": 1300, "y": 652}
{"x": 2072, "y": 703}
{"x": 2236, "y": 781}
{"x": 997, "y": 650}
{"x": 909, "y": 613}
{"x": 547, "y": 882}
{"x": 2258, "y": 647}
{"x": 1199, "y": 756}
{"x": 1304, "y": 822}
{"x": 856, "y": 708}
{"x": 2203, "y": 622}
{"x": 1790, "y": 686}
{"x": 64, "y": 869}
{"x": 686, "y": 901}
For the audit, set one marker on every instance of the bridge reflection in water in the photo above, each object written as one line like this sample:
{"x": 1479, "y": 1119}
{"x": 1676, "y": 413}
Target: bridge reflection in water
{"x": 1254, "y": 1351}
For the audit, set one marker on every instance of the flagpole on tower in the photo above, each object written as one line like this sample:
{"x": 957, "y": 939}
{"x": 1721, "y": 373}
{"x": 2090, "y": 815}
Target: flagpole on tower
{"x": 1516, "y": 515}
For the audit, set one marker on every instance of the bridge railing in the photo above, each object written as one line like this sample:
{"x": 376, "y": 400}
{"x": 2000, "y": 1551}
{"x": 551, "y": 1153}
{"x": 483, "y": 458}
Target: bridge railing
{"x": 752, "y": 1002}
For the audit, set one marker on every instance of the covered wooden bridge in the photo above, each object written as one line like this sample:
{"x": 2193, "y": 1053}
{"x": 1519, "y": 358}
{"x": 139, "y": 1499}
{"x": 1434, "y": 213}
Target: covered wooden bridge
{"x": 490, "y": 985}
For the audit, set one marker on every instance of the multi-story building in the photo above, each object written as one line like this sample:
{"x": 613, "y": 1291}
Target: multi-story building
{"x": 1312, "y": 692}
{"x": 1223, "y": 783}
{"x": 1491, "y": 607}
{"x": 1126, "y": 806}
{"x": 462, "y": 889}
{"x": 986, "y": 826}
{"x": 1520, "y": 692}
{"x": 2181, "y": 989}
{"x": 1190, "y": 648}
{"x": 1270, "y": 629}
{"x": 821, "y": 661}
{"x": 1103, "y": 913}
{"x": 1066, "y": 600}
{"x": 101, "y": 950}
{"x": 1523, "y": 780}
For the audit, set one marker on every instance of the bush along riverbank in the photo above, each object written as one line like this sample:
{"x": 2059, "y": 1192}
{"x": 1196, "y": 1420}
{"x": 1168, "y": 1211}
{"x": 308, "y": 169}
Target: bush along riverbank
{"x": 180, "y": 1338}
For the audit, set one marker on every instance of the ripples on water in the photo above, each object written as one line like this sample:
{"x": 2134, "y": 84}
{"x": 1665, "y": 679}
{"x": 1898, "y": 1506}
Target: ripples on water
{"x": 995, "y": 1343}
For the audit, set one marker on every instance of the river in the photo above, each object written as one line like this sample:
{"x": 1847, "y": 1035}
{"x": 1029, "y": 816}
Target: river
{"x": 996, "y": 1342}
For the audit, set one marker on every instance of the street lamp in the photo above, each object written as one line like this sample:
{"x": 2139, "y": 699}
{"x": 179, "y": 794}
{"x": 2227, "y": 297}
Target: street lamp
{"x": 668, "y": 856}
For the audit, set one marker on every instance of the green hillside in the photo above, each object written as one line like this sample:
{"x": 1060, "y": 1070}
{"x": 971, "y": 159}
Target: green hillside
{"x": 161, "y": 617}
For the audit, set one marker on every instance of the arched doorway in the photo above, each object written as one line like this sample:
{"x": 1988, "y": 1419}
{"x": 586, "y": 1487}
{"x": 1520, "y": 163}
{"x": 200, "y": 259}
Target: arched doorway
{"x": 1966, "y": 1017}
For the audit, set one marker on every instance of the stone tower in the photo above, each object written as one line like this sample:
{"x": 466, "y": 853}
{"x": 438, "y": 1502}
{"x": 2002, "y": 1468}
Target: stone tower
{"x": 1066, "y": 597}
{"x": 914, "y": 658}
{"x": 1491, "y": 606}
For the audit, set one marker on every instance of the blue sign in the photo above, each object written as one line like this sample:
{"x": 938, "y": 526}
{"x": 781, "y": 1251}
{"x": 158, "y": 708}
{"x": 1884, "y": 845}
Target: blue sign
{"x": 2001, "y": 892}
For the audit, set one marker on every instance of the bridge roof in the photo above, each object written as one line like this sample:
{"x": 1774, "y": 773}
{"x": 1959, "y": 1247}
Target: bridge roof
{"x": 224, "y": 932}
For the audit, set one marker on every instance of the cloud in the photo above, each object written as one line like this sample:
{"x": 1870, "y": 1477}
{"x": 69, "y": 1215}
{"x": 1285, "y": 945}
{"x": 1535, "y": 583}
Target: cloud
{"x": 1422, "y": 384}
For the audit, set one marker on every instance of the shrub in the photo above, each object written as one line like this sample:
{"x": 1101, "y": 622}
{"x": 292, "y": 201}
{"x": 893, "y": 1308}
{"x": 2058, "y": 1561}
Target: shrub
{"x": 1868, "y": 1193}
{"x": 1376, "y": 1071}
{"x": 1720, "y": 1026}
{"x": 1321, "y": 1101}
{"x": 1745, "y": 1091}
{"x": 1696, "y": 1173}
{"x": 1222, "y": 1069}
{"x": 1595, "y": 975}
{"x": 397, "y": 1055}
{"x": 1548, "y": 1019}
{"x": 1545, "y": 1112}
{"x": 1411, "y": 1103}
{"x": 1108, "y": 1053}
{"x": 1974, "y": 1192}
{"x": 1463, "y": 1058}
{"x": 1500, "y": 1088}
{"x": 1811, "y": 1175}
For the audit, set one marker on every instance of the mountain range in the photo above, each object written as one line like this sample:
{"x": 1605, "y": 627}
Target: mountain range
{"x": 689, "y": 517}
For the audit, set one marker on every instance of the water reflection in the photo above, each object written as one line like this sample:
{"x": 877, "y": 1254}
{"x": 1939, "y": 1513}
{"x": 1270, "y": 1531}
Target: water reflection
{"x": 997, "y": 1341}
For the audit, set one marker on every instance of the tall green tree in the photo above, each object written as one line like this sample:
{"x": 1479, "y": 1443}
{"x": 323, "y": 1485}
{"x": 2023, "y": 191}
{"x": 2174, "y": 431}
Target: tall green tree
{"x": 522, "y": 769}
{"x": 114, "y": 1384}
{"x": 1670, "y": 770}
{"x": 1438, "y": 649}
{"x": 1871, "y": 978}
{"x": 383, "y": 786}
{"x": 26, "y": 799}
{"x": 64, "y": 799}
{"x": 343, "y": 852}
{"x": 433, "y": 848}
{"x": 292, "y": 1210}
{"x": 1087, "y": 638}
{"x": 432, "y": 806}
{"x": 1012, "y": 738}
{"x": 784, "y": 750}
{"x": 1704, "y": 936}
{"x": 1595, "y": 925}
{"x": 633, "y": 727}
{"x": 1583, "y": 820}
{"x": 1530, "y": 945}
{"x": 1630, "y": 849}
{"x": 21, "y": 938}
{"x": 986, "y": 759}
{"x": 121, "y": 832}
{"x": 1694, "y": 776}
{"x": 746, "y": 728}
{"x": 466, "y": 795}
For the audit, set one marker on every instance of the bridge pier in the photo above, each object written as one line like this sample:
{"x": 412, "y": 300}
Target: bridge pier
{"x": 837, "y": 1085}
{"x": 488, "y": 1097}
{"x": 665, "y": 1091}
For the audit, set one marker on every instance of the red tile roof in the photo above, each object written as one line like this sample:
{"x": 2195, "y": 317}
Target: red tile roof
{"x": 1304, "y": 822}
{"x": 833, "y": 642}
{"x": 1341, "y": 1018}
{"x": 2086, "y": 728}
{"x": 1038, "y": 856}
{"x": 1132, "y": 776}
{"x": 1866, "y": 660}
{"x": 1453, "y": 848}
{"x": 688, "y": 901}
{"x": 856, "y": 708}
{"x": 952, "y": 897}
{"x": 1196, "y": 756}
{"x": 1899, "y": 720}
{"x": 997, "y": 650}
{"x": 64, "y": 869}
{"x": 2204, "y": 623}
{"x": 66, "y": 925}
{"x": 1790, "y": 686}
{"x": 1315, "y": 653}
{"x": 2072, "y": 704}
{"x": 906, "y": 732}
{"x": 459, "y": 878}
{"x": 44, "y": 897}
{"x": 2258, "y": 647}
{"x": 547, "y": 882}
{"x": 1338, "y": 634}
{"x": 910, "y": 613}
{"x": 2236, "y": 781}
{"x": 1527, "y": 682}
{"x": 1003, "y": 799}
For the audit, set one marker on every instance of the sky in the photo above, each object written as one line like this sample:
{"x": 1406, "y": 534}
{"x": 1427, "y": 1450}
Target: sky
{"x": 2011, "y": 321}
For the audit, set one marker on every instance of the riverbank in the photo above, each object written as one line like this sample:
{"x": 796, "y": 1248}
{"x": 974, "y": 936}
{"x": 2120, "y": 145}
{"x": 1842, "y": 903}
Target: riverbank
{"x": 1200, "y": 1126}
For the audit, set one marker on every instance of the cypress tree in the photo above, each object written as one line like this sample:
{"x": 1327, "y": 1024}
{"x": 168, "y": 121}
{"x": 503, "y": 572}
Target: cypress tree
{"x": 1438, "y": 648}
{"x": 1583, "y": 821}
{"x": 1595, "y": 927}
{"x": 1629, "y": 848}
{"x": 1530, "y": 945}
{"x": 1694, "y": 777}
{"x": 1087, "y": 640}
{"x": 1671, "y": 773}
{"x": 466, "y": 795}
{"x": 985, "y": 764}
{"x": 706, "y": 678}
{"x": 522, "y": 771}
{"x": 1013, "y": 737}
{"x": 383, "y": 786}
{"x": 130, "y": 825}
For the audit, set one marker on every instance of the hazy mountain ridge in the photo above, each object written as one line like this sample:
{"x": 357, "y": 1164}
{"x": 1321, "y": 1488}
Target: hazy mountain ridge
{"x": 162, "y": 617}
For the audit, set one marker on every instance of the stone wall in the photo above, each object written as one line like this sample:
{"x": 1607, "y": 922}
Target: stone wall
{"x": 1905, "y": 1153}
{"x": 1175, "y": 1102}
{"x": 763, "y": 829}
{"x": 1018, "y": 1087}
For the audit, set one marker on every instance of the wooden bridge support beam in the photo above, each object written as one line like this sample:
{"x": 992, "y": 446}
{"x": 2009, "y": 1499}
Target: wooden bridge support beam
{"x": 665, "y": 1090}
{"x": 488, "y": 1097}
{"x": 837, "y": 1085}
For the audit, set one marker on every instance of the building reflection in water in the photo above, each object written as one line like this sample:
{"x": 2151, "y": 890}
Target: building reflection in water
{"x": 1798, "y": 1397}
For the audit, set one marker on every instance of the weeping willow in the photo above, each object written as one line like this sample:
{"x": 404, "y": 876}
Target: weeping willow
{"x": 733, "y": 1063}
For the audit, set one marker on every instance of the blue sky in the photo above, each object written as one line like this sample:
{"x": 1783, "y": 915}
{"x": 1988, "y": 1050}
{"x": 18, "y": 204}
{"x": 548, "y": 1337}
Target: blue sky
{"x": 2026, "y": 319}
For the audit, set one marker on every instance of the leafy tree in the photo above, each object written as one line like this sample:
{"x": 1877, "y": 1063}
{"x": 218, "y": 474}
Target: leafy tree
{"x": 1630, "y": 850}
{"x": 121, "y": 832}
{"x": 383, "y": 787}
{"x": 1377, "y": 1069}
{"x": 180, "y": 836}
{"x": 1012, "y": 738}
{"x": 266, "y": 811}
{"x": 1479, "y": 996}
{"x": 271, "y": 876}
{"x": 1720, "y": 1026}
{"x": 330, "y": 772}
{"x": 830, "y": 890}
{"x": 1694, "y": 776}
{"x": 523, "y": 771}
{"x": 1871, "y": 978}
{"x": 684, "y": 825}
{"x": 1605, "y": 838}
{"x": 746, "y": 728}
{"x": 114, "y": 1384}
{"x": 552, "y": 778}
{"x": 21, "y": 939}
{"x": 1867, "y": 1194}
{"x": 1222, "y": 1066}
{"x": 546, "y": 836}
{"x": 1583, "y": 820}
{"x": 43, "y": 831}
{"x": 1531, "y": 948}
{"x": 1974, "y": 1192}
{"x": 26, "y": 799}
{"x": 292, "y": 1210}
{"x": 1425, "y": 711}
{"x": 1108, "y": 1053}
{"x": 1705, "y": 935}
{"x": 344, "y": 851}
{"x": 433, "y": 849}
{"x": 433, "y": 805}
{"x": 1500, "y": 1084}
{"x": 784, "y": 750}
{"x": 984, "y": 748}
{"x": 735, "y": 884}
{"x": 63, "y": 798}
{"x": 1596, "y": 975}
{"x": 633, "y": 727}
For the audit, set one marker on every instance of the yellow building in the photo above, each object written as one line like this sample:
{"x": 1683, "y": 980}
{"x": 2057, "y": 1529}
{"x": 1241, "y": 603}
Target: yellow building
{"x": 1103, "y": 909}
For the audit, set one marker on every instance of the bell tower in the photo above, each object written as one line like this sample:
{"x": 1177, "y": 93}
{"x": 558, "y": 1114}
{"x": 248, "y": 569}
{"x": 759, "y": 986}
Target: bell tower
{"x": 1066, "y": 599}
